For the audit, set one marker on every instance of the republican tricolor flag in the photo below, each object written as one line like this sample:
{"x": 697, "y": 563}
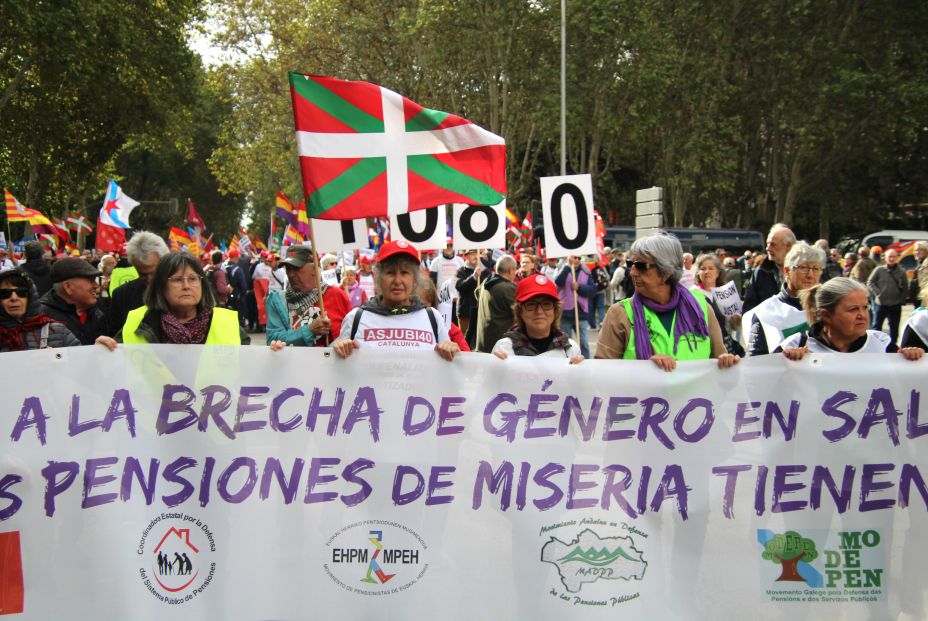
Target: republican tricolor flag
{"x": 366, "y": 151}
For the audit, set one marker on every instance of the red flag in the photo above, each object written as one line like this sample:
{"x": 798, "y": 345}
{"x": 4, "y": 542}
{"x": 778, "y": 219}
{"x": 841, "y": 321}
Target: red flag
{"x": 193, "y": 218}
{"x": 366, "y": 151}
{"x": 11, "y": 574}
{"x": 109, "y": 237}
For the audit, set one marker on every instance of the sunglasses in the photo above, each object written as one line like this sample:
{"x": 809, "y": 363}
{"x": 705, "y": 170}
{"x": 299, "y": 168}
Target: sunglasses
{"x": 641, "y": 266}
{"x": 6, "y": 294}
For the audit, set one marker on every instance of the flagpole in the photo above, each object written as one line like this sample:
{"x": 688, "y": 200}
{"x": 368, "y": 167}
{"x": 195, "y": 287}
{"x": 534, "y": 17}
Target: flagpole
{"x": 9, "y": 243}
{"x": 573, "y": 273}
{"x": 312, "y": 241}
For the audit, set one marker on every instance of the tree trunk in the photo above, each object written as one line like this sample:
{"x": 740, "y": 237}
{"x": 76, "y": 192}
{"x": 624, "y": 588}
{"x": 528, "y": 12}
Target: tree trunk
{"x": 790, "y": 571}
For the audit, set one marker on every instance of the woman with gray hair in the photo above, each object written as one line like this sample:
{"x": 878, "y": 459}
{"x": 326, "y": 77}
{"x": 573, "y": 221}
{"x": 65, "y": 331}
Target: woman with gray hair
{"x": 837, "y": 313}
{"x": 663, "y": 321}
{"x": 781, "y": 316}
{"x": 397, "y": 318}
{"x": 181, "y": 309}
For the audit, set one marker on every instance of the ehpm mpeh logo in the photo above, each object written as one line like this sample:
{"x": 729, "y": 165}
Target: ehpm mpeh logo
{"x": 376, "y": 557}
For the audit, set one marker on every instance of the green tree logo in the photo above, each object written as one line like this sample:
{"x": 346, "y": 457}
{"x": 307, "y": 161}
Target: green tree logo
{"x": 788, "y": 549}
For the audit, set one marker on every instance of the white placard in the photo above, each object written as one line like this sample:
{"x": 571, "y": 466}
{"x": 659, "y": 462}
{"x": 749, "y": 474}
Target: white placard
{"x": 727, "y": 299}
{"x": 567, "y": 205}
{"x": 337, "y": 235}
{"x": 479, "y": 226}
{"x": 330, "y": 277}
{"x": 425, "y": 229}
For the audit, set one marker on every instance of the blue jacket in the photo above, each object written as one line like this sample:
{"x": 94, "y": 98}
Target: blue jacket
{"x": 278, "y": 323}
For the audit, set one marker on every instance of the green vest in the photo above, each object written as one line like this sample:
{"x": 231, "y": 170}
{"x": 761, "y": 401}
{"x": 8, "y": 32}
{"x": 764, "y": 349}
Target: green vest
{"x": 223, "y": 329}
{"x": 661, "y": 341}
{"x": 120, "y": 276}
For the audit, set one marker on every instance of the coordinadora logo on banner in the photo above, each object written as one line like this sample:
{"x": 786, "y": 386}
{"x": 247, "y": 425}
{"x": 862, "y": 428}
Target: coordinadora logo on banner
{"x": 602, "y": 556}
{"x": 176, "y": 552}
{"x": 376, "y": 557}
{"x": 818, "y": 565}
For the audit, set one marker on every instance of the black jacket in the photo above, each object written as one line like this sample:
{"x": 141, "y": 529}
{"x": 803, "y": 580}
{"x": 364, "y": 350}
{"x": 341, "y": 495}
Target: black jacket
{"x": 126, "y": 297}
{"x": 39, "y": 272}
{"x": 61, "y": 311}
{"x": 765, "y": 283}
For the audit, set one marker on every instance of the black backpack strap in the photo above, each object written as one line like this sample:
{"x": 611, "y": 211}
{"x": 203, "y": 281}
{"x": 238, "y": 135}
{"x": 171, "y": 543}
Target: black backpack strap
{"x": 804, "y": 338}
{"x": 356, "y": 322}
{"x": 431, "y": 312}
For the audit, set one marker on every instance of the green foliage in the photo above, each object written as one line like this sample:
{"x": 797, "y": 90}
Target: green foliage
{"x": 788, "y": 546}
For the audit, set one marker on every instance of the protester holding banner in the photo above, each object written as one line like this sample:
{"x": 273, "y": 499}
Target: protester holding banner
{"x": 782, "y": 315}
{"x": 22, "y": 324}
{"x": 709, "y": 275}
{"x": 662, "y": 322}
{"x": 295, "y": 315}
{"x": 397, "y": 317}
{"x": 180, "y": 308}
{"x": 837, "y": 313}
{"x": 537, "y": 332}
{"x": 72, "y": 299}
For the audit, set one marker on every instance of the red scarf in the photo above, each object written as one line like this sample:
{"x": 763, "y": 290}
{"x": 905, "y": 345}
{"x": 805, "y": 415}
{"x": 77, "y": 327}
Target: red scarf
{"x": 12, "y": 337}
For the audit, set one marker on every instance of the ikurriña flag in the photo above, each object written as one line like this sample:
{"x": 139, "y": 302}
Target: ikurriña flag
{"x": 366, "y": 151}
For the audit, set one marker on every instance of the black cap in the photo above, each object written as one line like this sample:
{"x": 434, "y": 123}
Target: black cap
{"x": 72, "y": 267}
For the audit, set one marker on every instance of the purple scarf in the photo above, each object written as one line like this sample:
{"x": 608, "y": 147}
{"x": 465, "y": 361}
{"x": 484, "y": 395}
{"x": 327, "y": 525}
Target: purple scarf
{"x": 191, "y": 333}
{"x": 690, "y": 320}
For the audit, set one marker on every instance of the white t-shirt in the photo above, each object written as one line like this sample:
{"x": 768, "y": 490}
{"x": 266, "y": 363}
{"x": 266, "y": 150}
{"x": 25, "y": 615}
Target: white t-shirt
{"x": 445, "y": 268}
{"x": 409, "y": 331}
{"x": 263, "y": 270}
{"x": 877, "y": 342}
{"x": 367, "y": 284}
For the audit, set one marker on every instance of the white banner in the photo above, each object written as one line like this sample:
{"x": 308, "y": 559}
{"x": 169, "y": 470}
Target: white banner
{"x": 239, "y": 483}
{"x": 425, "y": 229}
{"x": 567, "y": 207}
{"x": 728, "y": 299}
{"x": 338, "y": 235}
{"x": 480, "y": 226}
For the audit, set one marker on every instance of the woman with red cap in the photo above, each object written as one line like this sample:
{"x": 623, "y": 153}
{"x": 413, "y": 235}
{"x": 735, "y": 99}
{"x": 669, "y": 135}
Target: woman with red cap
{"x": 397, "y": 317}
{"x": 536, "y": 331}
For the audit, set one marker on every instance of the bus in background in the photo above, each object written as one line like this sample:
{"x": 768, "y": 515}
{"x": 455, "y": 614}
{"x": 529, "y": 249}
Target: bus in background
{"x": 696, "y": 241}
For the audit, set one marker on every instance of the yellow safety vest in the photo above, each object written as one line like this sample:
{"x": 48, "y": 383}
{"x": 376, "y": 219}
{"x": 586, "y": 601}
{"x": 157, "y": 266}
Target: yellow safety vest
{"x": 223, "y": 329}
{"x": 662, "y": 341}
{"x": 122, "y": 275}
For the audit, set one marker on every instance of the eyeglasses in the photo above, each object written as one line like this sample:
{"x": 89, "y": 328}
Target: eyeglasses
{"x": 641, "y": 266}
{"x": 180, "y": 281}
{"x": 21, "y": 292}
{"x": 808, "y": 269}
{"x": 533, "y": 305}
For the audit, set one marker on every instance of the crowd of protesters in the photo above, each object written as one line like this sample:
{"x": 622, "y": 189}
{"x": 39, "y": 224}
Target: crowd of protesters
{"x": 651, "y": 302}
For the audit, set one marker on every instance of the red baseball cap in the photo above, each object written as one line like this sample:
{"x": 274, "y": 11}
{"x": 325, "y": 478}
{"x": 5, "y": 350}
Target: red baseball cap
{"x": 234, "y": 253}
{"x": 535, "y": 285}
{"x": 397, "y": 247}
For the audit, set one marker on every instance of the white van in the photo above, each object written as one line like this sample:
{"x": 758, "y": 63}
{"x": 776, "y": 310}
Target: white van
{"x": 889, "y": 237}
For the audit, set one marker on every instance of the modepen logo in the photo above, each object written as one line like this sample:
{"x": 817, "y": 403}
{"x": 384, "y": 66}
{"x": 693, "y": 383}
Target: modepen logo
{"x": 176, "y": 552}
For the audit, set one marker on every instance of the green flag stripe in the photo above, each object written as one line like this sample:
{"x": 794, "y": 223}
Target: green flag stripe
{"x": 344, "y": 111}
{"x": 426, "y": 120}
{"x": 346, "y": 184}
{"x": 446, "y": 177}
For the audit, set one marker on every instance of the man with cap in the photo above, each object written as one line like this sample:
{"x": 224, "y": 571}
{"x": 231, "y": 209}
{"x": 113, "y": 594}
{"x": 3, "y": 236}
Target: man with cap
{"x": 397, "y": 318}
{"x": 72, "y": 300}
{"x": 536, "y": 332}
{"x": 294, "y": 314}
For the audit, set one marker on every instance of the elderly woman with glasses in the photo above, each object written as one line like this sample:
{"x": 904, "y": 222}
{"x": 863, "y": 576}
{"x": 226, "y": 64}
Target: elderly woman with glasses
{"x": 837, "y": 313}
{"x": 22, "y": 324}
{"x": 537, "y": 311}
{"x": 663, "y": 321}
{"x": 181, "y": 309}
{"x": 781, "y": 316}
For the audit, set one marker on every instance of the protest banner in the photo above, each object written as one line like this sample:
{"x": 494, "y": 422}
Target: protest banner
{"x": 728, "y": 299}
{"x": 239, "y": 483}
